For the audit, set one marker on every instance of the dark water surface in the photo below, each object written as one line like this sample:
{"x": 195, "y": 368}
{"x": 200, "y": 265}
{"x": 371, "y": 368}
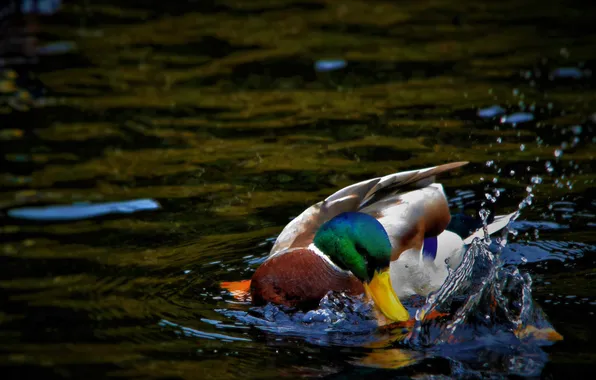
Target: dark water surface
{"x": 216, "y": 110}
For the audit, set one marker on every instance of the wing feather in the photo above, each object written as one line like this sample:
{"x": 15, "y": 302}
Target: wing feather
{"x": 300, "y": 231}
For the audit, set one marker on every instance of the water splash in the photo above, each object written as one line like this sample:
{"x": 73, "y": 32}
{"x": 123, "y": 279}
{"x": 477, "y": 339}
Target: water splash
{"x": 483, "y": 278}
{"x": 339, "y": 320}
{"x": 457, "y": 281}
{"x": 488, "y": 298}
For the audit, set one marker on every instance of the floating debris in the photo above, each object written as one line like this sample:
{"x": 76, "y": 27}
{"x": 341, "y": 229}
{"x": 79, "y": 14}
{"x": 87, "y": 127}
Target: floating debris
{"x": 330, "y": 65}
{"x": 516, "y": 118}
{"x": 46, "y": 7}
{"x": 58, "y": 47}
{"x": 339, "y": 319}
{"x": 566, "y": 72}
{"x": 490, "y": 112}
{"x": 79, "y": 211}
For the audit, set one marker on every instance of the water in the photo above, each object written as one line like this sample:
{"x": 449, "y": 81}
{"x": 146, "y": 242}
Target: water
{"x": 216, "y": 112}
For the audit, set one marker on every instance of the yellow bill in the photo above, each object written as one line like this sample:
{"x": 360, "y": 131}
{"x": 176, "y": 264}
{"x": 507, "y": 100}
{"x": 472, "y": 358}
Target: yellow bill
{"x": 382, "y": 293}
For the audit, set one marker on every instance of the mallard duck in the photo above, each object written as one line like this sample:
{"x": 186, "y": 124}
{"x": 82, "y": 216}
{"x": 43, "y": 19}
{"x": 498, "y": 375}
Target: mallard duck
{"x": 386, "y": 237}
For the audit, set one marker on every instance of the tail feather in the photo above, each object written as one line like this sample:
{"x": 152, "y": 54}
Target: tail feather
{"x": 498, "y": 224}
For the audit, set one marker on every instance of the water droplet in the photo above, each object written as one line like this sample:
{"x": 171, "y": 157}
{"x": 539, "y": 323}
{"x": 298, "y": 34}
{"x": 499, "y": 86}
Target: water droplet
{"x": 499, "y": 140}
{"x": 490, "y": 163}
{"x": 564, "y": 52}
{"x": 576, "y": 129}
{"x": 522, "y": 147}
{"x": 512, "y": 172}
{"x": 558, "y": 153}
{"x": 549, "y": 167}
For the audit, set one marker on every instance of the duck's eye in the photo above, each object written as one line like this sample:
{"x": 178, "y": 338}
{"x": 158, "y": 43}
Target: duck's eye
{"x": 365, "y": 269}
{"x": 361, "y": 251}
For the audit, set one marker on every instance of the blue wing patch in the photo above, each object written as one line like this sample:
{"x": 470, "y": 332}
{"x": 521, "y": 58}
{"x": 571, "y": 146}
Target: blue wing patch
{"x": 429, "y": 249}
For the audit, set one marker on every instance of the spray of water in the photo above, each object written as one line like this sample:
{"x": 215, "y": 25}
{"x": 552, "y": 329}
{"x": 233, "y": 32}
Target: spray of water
{"x": 484, "y": 279}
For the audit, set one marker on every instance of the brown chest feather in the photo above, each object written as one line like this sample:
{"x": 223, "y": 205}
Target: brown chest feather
{"x": 299, "y": 278}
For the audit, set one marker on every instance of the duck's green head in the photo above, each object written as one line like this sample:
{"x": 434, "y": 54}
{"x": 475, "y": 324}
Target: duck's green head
{"x": 357, "y": 242}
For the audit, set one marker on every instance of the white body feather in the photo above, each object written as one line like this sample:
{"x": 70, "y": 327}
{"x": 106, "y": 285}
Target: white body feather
{"x": 413, "y": 274}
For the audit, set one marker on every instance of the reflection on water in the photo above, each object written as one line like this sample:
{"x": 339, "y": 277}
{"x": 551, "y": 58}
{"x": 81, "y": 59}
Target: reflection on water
{"x": 220, "y": 112}
{"x": 200, "y": 334}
